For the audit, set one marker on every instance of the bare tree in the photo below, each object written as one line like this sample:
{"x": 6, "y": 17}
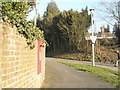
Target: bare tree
{"x": 109, "y": 11}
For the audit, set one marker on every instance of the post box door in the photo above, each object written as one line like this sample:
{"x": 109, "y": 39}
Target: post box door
{"x": 39, "y": 55}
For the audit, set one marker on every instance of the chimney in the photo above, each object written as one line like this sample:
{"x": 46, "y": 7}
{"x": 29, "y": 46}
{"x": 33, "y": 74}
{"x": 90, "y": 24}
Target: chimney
{"x": 102, "y": 29}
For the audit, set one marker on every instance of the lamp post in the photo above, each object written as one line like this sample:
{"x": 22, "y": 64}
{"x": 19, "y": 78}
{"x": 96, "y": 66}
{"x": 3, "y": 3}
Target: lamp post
{"x": 92, "y": 21}
{"x": 93, "y": 38}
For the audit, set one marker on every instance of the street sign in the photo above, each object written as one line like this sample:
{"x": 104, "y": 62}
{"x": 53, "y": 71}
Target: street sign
{"x": 93, "y": 38}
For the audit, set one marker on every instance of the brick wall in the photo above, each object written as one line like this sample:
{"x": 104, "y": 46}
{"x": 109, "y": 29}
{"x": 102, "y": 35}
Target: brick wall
{"x": 18, "y": 64}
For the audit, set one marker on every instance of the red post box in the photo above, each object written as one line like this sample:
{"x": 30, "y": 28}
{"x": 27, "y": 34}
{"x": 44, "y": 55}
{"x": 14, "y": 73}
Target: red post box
{"x": 39, "y": 55}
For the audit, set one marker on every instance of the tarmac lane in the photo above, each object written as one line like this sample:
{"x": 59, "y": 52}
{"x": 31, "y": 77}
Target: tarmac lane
{"x": 62, "y": 76}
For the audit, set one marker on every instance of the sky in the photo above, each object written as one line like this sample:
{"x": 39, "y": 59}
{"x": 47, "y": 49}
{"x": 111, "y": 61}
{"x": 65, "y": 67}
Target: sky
{"x": 76, "y": 5}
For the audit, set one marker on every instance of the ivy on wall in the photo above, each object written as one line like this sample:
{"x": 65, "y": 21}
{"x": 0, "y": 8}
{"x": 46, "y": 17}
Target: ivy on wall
{"x": 16, "y": 13}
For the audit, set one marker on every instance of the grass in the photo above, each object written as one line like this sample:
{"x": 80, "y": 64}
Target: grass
{"x": 108, "y": 75}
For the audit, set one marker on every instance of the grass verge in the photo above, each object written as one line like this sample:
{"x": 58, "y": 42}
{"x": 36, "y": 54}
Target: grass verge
{"x": 108, "y": 75}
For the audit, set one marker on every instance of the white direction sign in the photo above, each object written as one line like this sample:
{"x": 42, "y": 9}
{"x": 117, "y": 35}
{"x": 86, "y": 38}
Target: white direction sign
{"x": 93, "y": 38}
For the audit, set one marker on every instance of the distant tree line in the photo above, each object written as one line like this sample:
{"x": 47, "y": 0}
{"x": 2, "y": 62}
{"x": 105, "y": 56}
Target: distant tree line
{"x": 64, "y": 31}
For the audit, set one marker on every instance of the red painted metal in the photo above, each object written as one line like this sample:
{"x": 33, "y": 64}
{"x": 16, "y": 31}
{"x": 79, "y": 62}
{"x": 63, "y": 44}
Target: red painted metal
{"x": 39, "y": 55}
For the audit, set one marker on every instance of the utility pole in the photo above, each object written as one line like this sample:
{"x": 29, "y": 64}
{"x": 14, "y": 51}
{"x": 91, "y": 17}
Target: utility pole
{"x": 36, "y": 13}
{"x": 93, "y": 38}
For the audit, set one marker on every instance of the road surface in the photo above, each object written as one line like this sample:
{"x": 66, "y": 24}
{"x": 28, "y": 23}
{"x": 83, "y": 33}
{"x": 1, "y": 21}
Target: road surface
{"x": 62, "y": 76}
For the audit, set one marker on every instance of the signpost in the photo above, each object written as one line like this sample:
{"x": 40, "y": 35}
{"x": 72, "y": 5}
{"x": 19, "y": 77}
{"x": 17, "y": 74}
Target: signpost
{"x": 93, "y": 39}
